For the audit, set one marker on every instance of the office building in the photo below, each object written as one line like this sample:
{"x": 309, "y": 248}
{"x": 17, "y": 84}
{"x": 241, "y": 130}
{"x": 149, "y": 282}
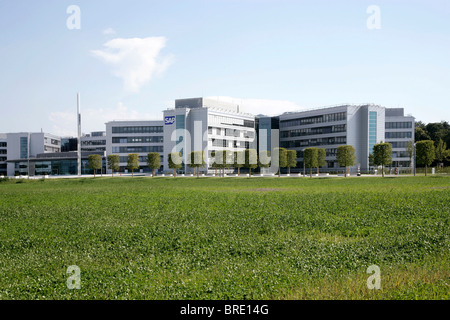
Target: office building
{"x": 141, "y": 137}
{"x": 399, "y": 132}
{"x": 22, "y": 146}
{"x": 201, "y": 124}
{"x": 361, "y": 126}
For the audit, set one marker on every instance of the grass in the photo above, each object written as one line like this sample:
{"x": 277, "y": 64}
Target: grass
{"x": 216, "y": 238}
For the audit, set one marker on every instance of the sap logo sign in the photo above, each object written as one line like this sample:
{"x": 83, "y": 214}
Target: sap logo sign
{"x": 169, "y": 120}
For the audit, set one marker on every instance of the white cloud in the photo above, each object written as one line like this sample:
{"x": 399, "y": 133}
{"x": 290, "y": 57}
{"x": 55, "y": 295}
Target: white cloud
{"x": 261, "y": 106}
{"x": 136, "y": 60}
{"x": 65, "y": 123}
{"x": 109, "y": 31}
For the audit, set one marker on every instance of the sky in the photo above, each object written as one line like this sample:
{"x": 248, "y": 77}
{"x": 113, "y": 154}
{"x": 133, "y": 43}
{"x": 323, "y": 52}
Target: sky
{"x": 132, "y": 59}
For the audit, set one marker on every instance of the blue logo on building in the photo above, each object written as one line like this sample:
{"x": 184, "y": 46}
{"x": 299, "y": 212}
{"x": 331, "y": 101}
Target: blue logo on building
{"x": 169, "y": 120}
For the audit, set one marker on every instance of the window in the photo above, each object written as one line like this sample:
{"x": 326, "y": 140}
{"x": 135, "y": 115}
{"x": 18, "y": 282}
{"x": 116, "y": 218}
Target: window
{"x": 340, "y": 116}
{"x": 399, "y": 125}
{"x": 151, "y": 139}
{"x": 398, "y": 135}
{"x": 23, "y": 147}
{"x": 372, "y": 130}
{"x": 138, "y": 129}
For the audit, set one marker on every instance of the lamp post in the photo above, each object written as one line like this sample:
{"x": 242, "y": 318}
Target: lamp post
{"x": 414, "y": 159}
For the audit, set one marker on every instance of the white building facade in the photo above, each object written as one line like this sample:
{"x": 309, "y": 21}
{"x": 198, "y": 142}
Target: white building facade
{"x": 201, "y": 124}
{"x": 25, "y": 145}
{"x": 141, "y": 137}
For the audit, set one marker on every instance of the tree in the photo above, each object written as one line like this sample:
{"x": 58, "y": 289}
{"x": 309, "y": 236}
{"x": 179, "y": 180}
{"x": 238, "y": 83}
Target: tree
{"x": 421, "y": 134}
{"x": 113, "y": 161}
{"x": 382, "y": 155}
{"x": 197, "y": 161}
{"x": 371, "y": 160}
{"x": 310, "y": 159}
{"x": 321, "y": 158}
{"x": 410, "y": 153}
{"x": 175, "y": 162}
{"x": 425, "y": 153}
{"x": 215, "y": 163}
{"x": 251, "y": 160}
{"x": 282, "y": 159}
{"x": 133, "y": 162}
{"x": 239, "y": 160}
{"x": 264, "y": 159}
{"x": 291, "y": 160}
{"x": 441, "y": 151}
{"x": 222, "y": 159}
{"x": 345, "y": 156}
{"x": 94, "y": 162}
{"x": 154, "y": 161}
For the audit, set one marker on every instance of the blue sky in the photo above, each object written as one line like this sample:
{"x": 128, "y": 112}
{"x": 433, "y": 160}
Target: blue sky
{"x": 131, "y": 59}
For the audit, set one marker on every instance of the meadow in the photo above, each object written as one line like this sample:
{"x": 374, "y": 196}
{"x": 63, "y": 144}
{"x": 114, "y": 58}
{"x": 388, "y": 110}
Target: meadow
{"x": 225, "y": 238}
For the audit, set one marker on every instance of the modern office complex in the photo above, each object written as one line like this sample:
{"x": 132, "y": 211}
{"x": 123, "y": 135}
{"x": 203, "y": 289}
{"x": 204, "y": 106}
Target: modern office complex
{"x": 361, "y": 126}
{"x": 141, "y": 137}
{"x": 22, "y": 146}
{"x": 201, "y": 124}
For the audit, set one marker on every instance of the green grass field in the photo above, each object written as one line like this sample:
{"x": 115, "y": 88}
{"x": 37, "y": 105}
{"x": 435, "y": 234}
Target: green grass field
{"x": 225, "y": 238}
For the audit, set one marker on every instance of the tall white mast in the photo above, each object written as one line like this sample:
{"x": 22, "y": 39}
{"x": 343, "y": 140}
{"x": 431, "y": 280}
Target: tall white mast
{"x": 79, "y": 134}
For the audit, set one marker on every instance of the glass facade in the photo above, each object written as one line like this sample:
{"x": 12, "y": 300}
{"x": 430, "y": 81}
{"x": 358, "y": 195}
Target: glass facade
{"x": 313, "y": 131}
{"x": 313, "y": 142}
{"x": 340, "y": 116}
{"x": 398, "y": 135}
{"x": 372, "y": 130}
{"x": 138, "y": 129}
{"x": 137, "y": 149}
{"x": 399, "y": 125}
{"x": 153, "y": 139}
{"x": 53, "y": 167}
{"x": 23, "y": 147}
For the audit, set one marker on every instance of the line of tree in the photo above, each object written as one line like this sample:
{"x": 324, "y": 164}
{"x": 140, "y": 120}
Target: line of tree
{"x": 314, "y": 158}
{"x": 439, "y": 134}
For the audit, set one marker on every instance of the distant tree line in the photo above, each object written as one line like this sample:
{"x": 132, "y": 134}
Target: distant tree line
{"x": 439, "y": 133}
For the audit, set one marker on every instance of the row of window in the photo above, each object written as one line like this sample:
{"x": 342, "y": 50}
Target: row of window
{"x": 339, "y": 116}
{"x": 52, "y": 141}
{"x": 140, "y": 149}
{"x": 399, "y": 144}
{"x": 138, "y": 129}
{"x": 313, "y": 131}
{"x": 400, "y": 154}
{"x": 229, "y": 143}
{"x": 398, "y": 135}
{"x": 399, "y": 125}
{"x": 231, "y": 132}
{"x": 3, "y": 151}
{"x": 51, "y": 149}
{"x": 141, "y": 159}
{"x": 231, "y": 121}
{"x": 153, "y": 139}
{"x": 94, "y": 143}
{"x": 3, "y": 144}
{"x": 313, "y": 142}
